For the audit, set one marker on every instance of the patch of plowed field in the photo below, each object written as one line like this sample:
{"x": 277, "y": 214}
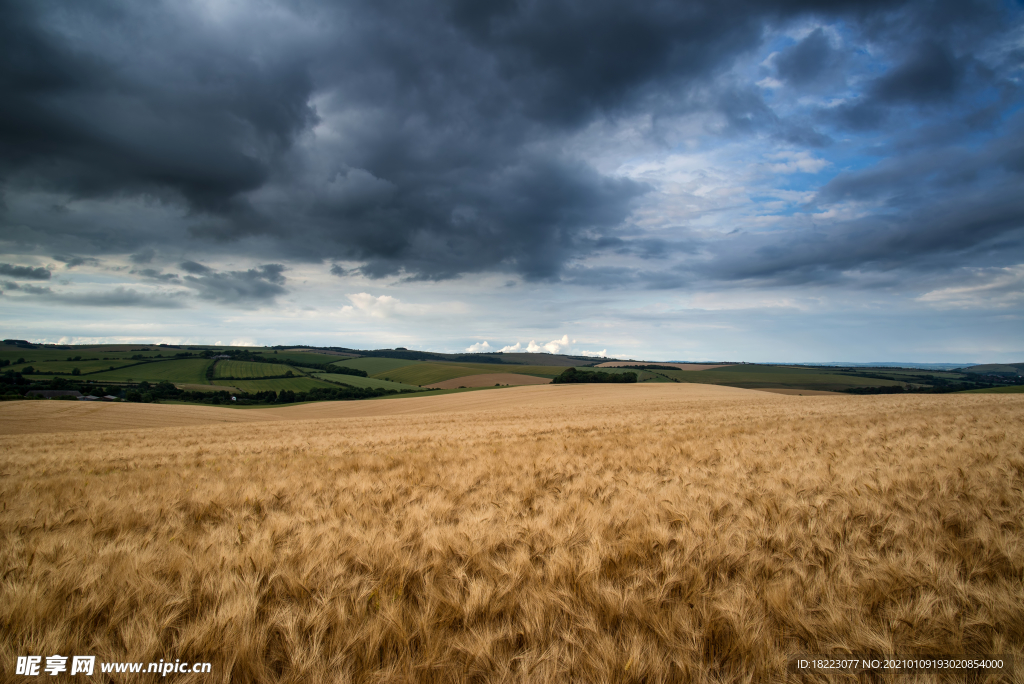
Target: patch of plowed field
{"x": 490, "y": 380}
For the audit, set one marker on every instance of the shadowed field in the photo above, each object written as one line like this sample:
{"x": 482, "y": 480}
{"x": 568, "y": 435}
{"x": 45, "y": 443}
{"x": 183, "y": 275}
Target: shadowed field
{"x": 658, "y": 533}
{"x": 491, "y": 379}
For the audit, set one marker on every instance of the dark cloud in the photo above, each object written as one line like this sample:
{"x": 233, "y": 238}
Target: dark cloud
{"x": 154, "y": 274}
{"x": 261, "y": 284}
{"x": 984, "y": 228}
{"x": 117, "y": 297}
{"x": 143, "y": 257}
{"x": 194, "y": 268}
{"x": 72, "y": 261}
{"x": 811, "y": 61}
{"x": 24, "y": 272}
{"x": 427, "y": 140}
{"x": 931, "y": 73}
{"x": 28, "y": 289}
{"x": 81, "y": 117}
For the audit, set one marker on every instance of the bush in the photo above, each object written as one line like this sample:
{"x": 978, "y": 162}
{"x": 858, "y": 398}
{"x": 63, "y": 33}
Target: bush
{"x": 343, "y": 370}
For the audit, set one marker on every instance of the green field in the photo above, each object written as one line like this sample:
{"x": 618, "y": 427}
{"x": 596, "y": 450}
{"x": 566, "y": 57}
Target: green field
{"x": 33, "y": 357}
{"x": 897, "y": 375}
{"x": 303, "y": 357}
{"x": 293, "y": 384}
{"x": 65, "y": 367}
{"x": 183, "y": 371}
{"x": 539, "y": 371}
{"x": 356, "y": 381}
{"x": 910, "y": 373}
{"x": 427, "y": 373}
{"x": 750, "y": 376}
{"x": 430, "y": 372}
{"x": 249, "y": 369}
{"x": 375, "y": 366}
{"x": 1010, "y": 389}
{"x": 999, "y": 368}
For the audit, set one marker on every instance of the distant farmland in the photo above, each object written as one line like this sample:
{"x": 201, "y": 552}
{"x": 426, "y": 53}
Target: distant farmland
{"x": 431, "y": 372}
{"x": 192, "y": 371}
{"x": 375, "y": 366}
{"x": 300, "y": 358}
{"x": 356, "y": 381}
{"x": 750, "y": 376}
{"x": 297, "y": 384}
{"x": 66, "y": 367}
{"x": 249, "y": 369}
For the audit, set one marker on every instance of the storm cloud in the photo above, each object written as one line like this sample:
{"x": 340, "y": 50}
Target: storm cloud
{"x": 24, "y": 272}
{"x": 429, "y": 140}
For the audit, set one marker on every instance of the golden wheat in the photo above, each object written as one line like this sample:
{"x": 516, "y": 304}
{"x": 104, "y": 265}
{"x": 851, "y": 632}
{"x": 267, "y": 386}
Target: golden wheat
{"x": 644, "y": 536}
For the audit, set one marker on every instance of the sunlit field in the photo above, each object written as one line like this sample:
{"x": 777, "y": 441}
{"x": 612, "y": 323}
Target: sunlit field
{"x": 646, "y": 533}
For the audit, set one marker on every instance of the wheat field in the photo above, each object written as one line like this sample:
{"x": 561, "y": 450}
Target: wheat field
{"x": 658, "y": 533}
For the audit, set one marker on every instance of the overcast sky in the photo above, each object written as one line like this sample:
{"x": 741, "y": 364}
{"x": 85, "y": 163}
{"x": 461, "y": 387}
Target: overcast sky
{"x": 759, "y": 180}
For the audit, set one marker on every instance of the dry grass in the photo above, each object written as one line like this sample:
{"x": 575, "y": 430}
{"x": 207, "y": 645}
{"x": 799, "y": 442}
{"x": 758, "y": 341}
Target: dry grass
{"x": 801, "y": 392}
{"x": 644, "y": 536}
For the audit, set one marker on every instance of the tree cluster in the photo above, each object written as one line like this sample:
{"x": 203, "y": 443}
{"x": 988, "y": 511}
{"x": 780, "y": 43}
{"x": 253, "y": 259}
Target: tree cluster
{"x": 572, "y": 375}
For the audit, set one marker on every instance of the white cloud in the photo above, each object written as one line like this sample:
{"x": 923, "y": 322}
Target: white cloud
{"x": 384, "y": 306}
{"x": 478, "y": 347}
{"x": 552, "y": 347}
{"x": 793, "y": 162}
{"x": 999, "y": 288}
{"x": 603, "y": 353}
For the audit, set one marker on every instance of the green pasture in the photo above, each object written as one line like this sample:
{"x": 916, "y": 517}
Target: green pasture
{"x": 911, "y": 375}
{"x": 762, "y": 377}
{"x": 36, "y": 356}
{"x": 479, "y": 368}
{"x": 356, "y": 381}
{"x": 249, "y": 369}
{"x": 1013, "y": 369}
{"x": 429, "y": 373}
{"x": 1009, "y": 389}
{"x": 293, "y": 384}
{"x": 182, "y": 371}
{"x": 528, "y": 359}
{"x": 65, "y": 367}
{"x": 742, "y": 368}
{"x": 376, "y": 365}
{"x": 303, "y": 357}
